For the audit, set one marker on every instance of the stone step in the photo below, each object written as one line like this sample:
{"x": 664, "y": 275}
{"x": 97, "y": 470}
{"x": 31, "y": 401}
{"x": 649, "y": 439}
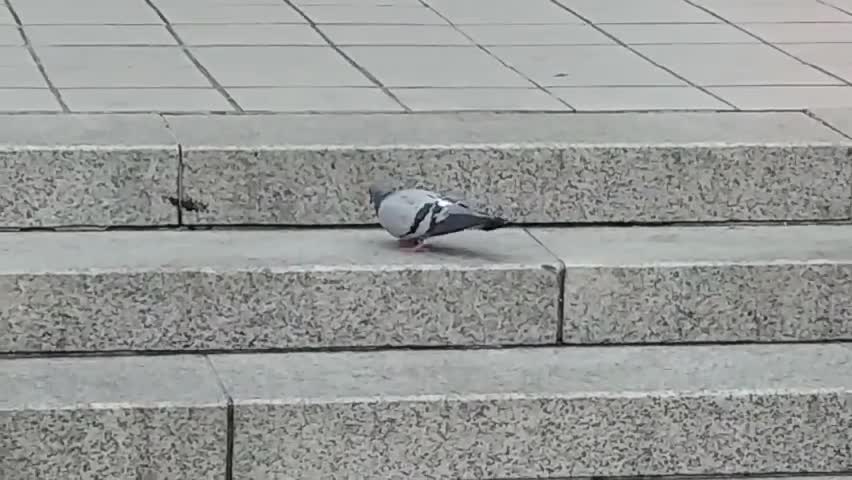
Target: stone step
{"x": 554, "y": 412}
{"x": 120, "y": 169}
{"x": 307, "y": 289}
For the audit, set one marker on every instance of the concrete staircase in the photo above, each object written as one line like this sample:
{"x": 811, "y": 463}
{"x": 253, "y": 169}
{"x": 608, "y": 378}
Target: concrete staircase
{"x": 174, "y": 305}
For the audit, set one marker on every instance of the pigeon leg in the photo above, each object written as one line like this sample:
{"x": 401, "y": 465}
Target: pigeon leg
{"x": 420, "y": 247}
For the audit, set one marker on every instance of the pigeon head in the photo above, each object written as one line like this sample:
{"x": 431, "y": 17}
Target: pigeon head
{"x": 378, "y": 192}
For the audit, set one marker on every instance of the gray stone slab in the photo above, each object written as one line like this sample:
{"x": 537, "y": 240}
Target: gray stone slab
{"x": 373, "y": 14}
{"x": 99, "y": 35}
{"x": 325, "y": 99}
{"x": 801, "y": 32}
{"x": 735, "y": 65}
{"x": 119, "y": 418}
{"x": 28, "y": 99}
{"x": 716, "y": 284}
{"x": 629, "y": 11}
{"x": 120, "y": 67}
{"x": 638, "y": 98}
{"x": 651, "y": 33}
{"x": 840, "y": 118}
{"x": 774, "y": 11}
{"x": 190, "y": 12}
{"x": 429, "y": 66}
{"x": 254, "y": 66}
{"x": 18, "y": 69}
{"x": 777, "y": 97}
{"x": 503, "y": 12}
{"x": 315, "y": 169}
{"x": 249, "y": 34}
{"x": 832, "y": 57}
{"x": 10, "y": 36}
{"x": 87, "y": 170}
{"x": 541, "y": 413}
{"x": 394, "y": 35}
{"x": 584, "y": 65}
{"x": 86, "y": 12}
{"x": 570, "y": 34}
{"x": 145, "y": 100}
{"x": 6, "y": 17}
{"x": 278, "y": 289}
{"x": 459, "y": 99}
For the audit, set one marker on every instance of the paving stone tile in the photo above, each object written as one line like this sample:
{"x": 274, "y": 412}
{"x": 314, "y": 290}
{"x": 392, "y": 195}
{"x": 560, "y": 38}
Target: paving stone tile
{"x": 95, "y": 170}
{"x": 530, "y": 99}
{"x": 737, "y": 11}
{"x": 584, "y": 65}
{"x": 797, "y": 97}
{"x": 10, "y": 36}
{"x": 112, "y": 417}
{"x": 833, "y": 57}
{"x": 397, "y": 3}
{"x": 569, "y": 34}
{"x": 6, "y": 17}
{"x": 18, "y": 69}
{"x": 373, "y": 14}
{"x": 99, "y": 35}
{"x": 27, "y": 99}
{"x": 434, "y": 67}
{"x": 838, "y": 117}
{"x": 306, "y": 99}
{"x": 120, "y": 67}
{"x": 230, "y": 13}
{"x": 801, "y": 32}
{"x": 631, "y": 11}
{"x": 743, "y": 64}
{"x": 394, "y": 35}
{"x": 638, "y": 98}
{"x": 145, "y": 100}
{"x": 637, "y": 34}
{"x": 98, "y": 12}
{"x": 255, "y": 66}
{"x": 502, "y": 11}
{"x": 845, "y": 5}
{"x": 254, "y": 34}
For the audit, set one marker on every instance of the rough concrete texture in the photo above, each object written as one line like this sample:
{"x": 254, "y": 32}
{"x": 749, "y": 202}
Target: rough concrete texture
{"x": 541, "y": 413}
{"x": 297, "y": 169}
{"x": 87, "y": 170}
{"x": 131, "y": 418}
{"x": 668, "y": 284}
{"x": 98, "y": 291}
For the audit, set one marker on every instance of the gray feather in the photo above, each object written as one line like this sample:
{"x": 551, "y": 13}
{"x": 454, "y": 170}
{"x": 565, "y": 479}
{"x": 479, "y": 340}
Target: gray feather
{"x": 420, "y": 214}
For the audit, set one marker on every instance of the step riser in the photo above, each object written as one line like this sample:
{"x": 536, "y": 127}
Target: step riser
{"x": 541, "y": 413}
{"x": 120, "y": 170}
{"x": 224, "y": 290}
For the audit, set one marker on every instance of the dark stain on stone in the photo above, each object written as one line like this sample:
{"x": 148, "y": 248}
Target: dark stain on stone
{"x": 188, "y": 204}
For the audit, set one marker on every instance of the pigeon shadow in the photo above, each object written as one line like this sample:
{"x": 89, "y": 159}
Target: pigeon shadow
{"x": 447, "y": 251}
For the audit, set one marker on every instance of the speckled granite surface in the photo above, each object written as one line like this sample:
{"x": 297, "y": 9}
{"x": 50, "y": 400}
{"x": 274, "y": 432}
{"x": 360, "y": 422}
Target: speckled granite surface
{"x": 131, "y": 418}
{"x": 87, "y": 170}
{"x": 541, "y": 413}
{"x": 272, "y": 289}
{"x": 668, "y": 284}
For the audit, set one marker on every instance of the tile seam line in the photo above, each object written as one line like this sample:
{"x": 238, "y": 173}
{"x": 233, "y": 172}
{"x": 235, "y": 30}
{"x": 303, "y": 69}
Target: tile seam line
{"x": 495, "y": 57}
{"x": 560, "y": 278}
{"x": 351, "y": 61}
{"x": 229, "y": 418}
{"x": 643, "y": 56}
{"x": 39, "y": 65}
{"x": 767, "y": 43}
{"x": 198, "y": 65}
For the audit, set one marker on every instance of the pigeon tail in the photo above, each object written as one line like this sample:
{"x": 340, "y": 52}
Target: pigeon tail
{"x": 494, "y": 223}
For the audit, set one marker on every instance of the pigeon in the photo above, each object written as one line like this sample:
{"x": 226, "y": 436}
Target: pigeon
{"x": 413, "y": 215}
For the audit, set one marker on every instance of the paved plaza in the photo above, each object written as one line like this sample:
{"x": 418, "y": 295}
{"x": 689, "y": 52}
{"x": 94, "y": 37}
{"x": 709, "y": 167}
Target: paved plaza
{"x": 431, "y": 55}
